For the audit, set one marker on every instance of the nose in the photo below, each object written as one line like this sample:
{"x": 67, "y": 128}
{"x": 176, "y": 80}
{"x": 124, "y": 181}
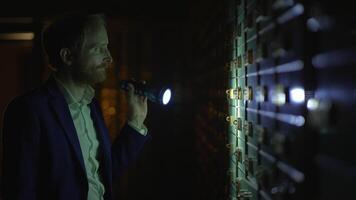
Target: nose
{"x": 108, "y": 58}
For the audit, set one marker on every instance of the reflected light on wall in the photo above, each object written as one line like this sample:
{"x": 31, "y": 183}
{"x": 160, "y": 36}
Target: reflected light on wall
{"x": 17, "y": 36}
{"x": 278, "y": 95}
{"x": 313, "y": 25}
{"x": 312, "y": 104}
{"x": 297, "y": 95}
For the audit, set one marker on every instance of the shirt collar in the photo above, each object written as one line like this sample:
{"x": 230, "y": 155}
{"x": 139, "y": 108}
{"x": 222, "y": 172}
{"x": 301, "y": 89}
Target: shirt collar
{"x": 86, "y": 99}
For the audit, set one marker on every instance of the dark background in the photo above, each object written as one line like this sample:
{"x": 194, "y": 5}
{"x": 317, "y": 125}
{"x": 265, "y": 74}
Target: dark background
{"x": 148, "y": 41}
{"x": 189, "y": 45}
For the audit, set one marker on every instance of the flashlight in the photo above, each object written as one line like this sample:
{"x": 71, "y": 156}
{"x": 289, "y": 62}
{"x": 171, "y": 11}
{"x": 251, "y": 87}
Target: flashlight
{"x": 161, "y": 96}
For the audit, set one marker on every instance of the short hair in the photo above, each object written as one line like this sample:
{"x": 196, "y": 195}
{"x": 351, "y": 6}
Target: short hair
{"x": 67, "y": 32}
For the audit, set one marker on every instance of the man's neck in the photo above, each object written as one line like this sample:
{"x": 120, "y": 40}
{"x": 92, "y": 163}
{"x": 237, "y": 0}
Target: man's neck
{"x": 76, "y": 88}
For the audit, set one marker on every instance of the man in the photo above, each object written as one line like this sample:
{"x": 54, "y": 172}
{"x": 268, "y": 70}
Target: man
{"x": 56, "y": 145}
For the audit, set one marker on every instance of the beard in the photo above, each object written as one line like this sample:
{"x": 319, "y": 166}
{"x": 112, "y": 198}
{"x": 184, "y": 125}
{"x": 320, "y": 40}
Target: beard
{"x": 90, "y": 74}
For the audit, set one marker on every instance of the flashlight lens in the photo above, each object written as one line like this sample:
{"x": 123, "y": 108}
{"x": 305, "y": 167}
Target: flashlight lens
{"x": 166, "y": 96}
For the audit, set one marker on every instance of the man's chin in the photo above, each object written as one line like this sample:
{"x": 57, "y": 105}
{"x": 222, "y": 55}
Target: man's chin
{"x": 98, "y": 79}
{"x": 101, "y": 79}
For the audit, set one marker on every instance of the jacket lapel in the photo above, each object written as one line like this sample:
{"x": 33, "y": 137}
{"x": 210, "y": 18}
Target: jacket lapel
{"x": 60, "y": 108}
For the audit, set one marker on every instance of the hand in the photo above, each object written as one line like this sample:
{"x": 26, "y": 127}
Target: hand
{"x": 137, "y": 107}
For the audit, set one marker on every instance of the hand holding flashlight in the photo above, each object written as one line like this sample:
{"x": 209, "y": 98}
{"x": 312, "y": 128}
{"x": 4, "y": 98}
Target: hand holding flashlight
{"x": 162, "y": 96}
{"x": 137, "y": 106}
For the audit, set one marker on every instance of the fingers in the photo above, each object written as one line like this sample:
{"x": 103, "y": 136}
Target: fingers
{"x": 131, "y": 90}
{"x": 143, "y": 99}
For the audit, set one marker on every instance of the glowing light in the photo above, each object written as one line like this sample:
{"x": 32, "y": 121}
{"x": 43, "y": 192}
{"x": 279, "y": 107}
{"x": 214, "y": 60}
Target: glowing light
{"x": 112, "y": 111}
{"x": 166, "y": 96}
{"x": 313, "y": 25}
{"x": 17, "y": 36}
{"x": 312, "y": 104}
{"x": 299, "y": 121}
{"x": 260, "y": 94}
{"x": 278, "y": 96}
{"x": 295, "y": 11}
{"x": 296, "y": 120}
{"x": 297, "y": 95}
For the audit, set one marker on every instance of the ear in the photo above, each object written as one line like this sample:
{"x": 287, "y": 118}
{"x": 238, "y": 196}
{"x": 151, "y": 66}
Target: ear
{"x": 66, "y": 56}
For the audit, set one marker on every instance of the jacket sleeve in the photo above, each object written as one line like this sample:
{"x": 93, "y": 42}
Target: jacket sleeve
{"x": 21, "y": 148}
{"x": 126, "y": 148}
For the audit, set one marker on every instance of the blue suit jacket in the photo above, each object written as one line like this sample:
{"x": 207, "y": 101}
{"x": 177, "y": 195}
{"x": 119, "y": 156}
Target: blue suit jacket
{"x": 42, "y": 155}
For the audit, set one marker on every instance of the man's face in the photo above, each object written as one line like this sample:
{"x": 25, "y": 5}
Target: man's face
{"x": 94, "y": 58}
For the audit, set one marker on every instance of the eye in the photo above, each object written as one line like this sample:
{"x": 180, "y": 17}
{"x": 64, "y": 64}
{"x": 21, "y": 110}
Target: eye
{"x": 99, "y": 49}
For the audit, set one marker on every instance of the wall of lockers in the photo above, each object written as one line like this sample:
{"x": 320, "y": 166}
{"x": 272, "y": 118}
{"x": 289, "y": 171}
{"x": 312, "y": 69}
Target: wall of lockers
{"x": 274, "y": 84}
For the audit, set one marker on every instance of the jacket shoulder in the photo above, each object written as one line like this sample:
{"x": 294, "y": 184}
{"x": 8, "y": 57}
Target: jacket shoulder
{"x": 30, "y": 99}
